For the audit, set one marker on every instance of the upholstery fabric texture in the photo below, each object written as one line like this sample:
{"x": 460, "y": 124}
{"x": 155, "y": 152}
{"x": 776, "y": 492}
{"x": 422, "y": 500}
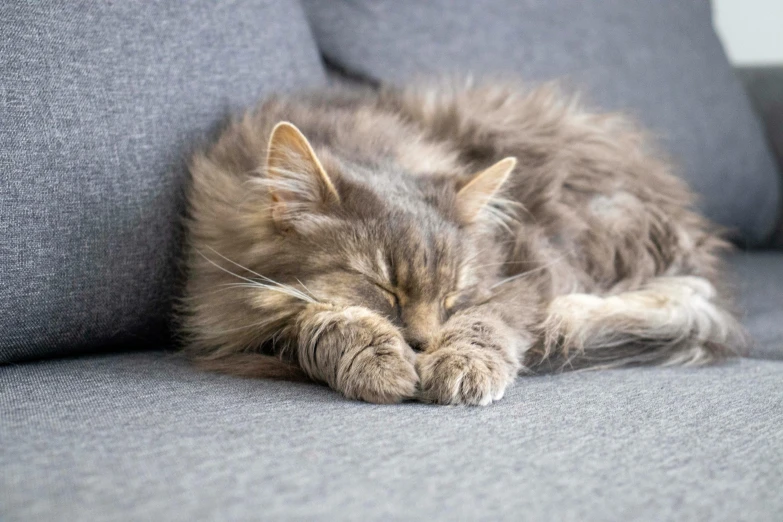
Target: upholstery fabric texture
{"x": 101, "y": 103}
{"x": 659, "y": 61}
{"x": 145, "y": 437}
{"x": 758, "y": 281}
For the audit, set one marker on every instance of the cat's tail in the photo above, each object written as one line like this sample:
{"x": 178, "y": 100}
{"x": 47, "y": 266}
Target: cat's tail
{"x": 670, "y": 321}
{"x": 254, "y": 366}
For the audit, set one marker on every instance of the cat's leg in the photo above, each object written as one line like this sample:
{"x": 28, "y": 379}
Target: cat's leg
{"x": 671, "y": 320}
{"x": 472, "y": 360}
{"x": 356, "y": 352}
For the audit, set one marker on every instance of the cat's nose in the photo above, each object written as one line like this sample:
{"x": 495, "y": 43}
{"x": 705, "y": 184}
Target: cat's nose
{"x": 420, "y": 322}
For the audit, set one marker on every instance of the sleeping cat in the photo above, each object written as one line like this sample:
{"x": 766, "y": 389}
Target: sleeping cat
{"x": 434, "y": 242}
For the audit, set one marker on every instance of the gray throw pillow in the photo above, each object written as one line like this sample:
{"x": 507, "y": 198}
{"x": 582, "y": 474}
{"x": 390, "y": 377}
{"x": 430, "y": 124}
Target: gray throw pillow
{"x": 658, "y": 60}
{"x": 100, "y": 105}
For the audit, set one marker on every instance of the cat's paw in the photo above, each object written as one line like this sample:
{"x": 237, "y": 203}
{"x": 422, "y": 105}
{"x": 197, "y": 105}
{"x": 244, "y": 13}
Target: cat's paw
{"x": 464, "y": 374}
{"x": 381, "y": 372}
{"x": 358, "y": 353}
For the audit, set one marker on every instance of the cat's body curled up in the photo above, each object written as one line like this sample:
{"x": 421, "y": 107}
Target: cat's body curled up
{"x": 433, "y": 242}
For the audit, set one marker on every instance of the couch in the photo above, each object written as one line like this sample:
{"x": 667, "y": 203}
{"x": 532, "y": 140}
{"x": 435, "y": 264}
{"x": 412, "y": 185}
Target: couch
{"x": 101, "y": 419}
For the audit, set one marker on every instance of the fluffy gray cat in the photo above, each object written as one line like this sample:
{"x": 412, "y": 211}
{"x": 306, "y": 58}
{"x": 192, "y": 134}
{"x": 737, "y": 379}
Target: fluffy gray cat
{"x": 433, "y": 242}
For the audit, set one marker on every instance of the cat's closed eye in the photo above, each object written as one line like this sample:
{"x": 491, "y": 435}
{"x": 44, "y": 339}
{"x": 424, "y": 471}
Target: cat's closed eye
{"x": 390, "y": 296}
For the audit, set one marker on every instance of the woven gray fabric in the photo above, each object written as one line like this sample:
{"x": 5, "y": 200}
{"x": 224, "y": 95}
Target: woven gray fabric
{"x": 100, "y": 105}
{"x": 758, "y": 281}
{"x": 660, "y": 61}
{"x": 144, "y": 437}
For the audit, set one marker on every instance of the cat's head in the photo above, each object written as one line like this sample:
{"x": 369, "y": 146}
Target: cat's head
{"x": 413, "y": 248}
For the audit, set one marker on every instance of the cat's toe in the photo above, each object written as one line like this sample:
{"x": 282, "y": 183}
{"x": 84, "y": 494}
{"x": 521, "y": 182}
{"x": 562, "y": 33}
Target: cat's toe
{"x": 380, "y": 374}
{"x": 463, "y": 376}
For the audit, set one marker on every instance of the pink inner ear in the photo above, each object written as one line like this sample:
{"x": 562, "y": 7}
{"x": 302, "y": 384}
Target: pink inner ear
{"x": 298, "y": 185}
{"x": 474, "y": 196}
{"x": 290, "y": 152}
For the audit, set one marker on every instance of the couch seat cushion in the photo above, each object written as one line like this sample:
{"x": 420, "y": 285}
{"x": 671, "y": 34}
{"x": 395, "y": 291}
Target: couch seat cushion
{"x": 145, "y": 437}
{"x": 758, "y": 279}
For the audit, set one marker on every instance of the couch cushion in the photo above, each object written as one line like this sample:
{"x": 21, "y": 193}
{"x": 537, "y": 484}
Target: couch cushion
{"x": 660, "y": 61}
{"x": 144, "y": 437}
{"x": 758, "y": 278}
{"x": 100, "y": 105}
{"x": 765, "y": 88}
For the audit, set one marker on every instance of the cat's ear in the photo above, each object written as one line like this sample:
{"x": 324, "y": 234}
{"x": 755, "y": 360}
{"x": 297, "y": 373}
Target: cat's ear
{"x": 298, "y": 183}
{"x": 474, "y": 196}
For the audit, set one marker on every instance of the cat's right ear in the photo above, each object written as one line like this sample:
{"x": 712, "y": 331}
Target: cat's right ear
{"x": 298, "y": 183}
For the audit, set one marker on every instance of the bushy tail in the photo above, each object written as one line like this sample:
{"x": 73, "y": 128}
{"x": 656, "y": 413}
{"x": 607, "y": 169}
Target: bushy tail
{"x": 254, "y": 366}
{"x": 671, "y": 321}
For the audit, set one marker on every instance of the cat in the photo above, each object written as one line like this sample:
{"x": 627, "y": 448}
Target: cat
{"x": 433, "y": 242}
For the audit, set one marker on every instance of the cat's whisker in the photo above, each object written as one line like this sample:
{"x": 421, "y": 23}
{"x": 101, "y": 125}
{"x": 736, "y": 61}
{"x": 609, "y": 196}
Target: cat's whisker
{"x": 306, "y": 289}
{"x": 283, "y": 289}
{"x": 238, "y": 265}
{"x": 289, "y": 288}
{"x": 273, "y": 286}
{"x": 514, "y": 278}
{"x": 529, "y": 272}
{"x": 222, "y": 268}
{"x": 468, "y": 260}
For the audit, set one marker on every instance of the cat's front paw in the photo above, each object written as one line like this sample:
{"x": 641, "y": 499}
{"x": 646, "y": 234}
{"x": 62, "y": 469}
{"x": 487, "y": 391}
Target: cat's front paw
{"x": 381, "y": 374}
{"x": 464, "y": 374}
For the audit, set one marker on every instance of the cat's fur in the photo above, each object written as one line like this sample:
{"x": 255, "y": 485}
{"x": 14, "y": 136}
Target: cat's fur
{"x": 375, "y": 259}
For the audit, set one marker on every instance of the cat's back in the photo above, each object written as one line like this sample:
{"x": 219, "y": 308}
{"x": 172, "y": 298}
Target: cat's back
{"x": 361, "y": 126}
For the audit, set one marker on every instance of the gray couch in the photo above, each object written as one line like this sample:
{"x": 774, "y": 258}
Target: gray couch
{"x": 100, "y": 105}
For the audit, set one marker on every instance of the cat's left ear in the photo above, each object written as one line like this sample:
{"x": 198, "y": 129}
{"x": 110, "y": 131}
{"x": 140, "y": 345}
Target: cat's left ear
{"x": 298, "y": 183}
{"x": 474, "y": 196}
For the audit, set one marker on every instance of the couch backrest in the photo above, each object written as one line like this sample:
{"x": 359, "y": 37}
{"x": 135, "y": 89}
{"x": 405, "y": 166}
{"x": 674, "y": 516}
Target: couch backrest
{"x": 658, "y": 60}
{"x": 100, "y": 105}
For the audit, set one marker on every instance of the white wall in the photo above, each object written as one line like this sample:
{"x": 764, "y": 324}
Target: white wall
{"x": 751, "y": 30}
